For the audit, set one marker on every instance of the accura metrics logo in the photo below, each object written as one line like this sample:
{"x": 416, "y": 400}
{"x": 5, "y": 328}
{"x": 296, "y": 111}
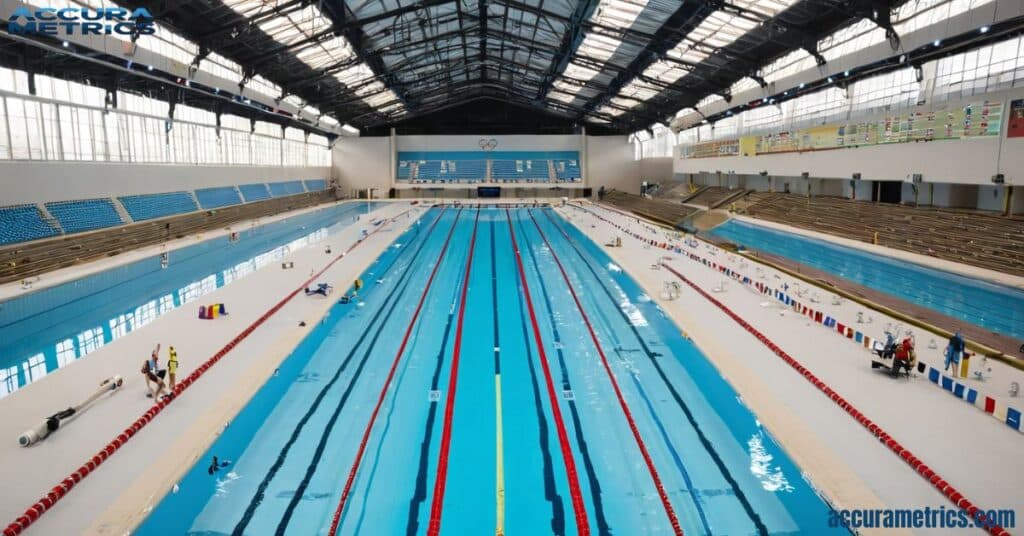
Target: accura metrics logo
{"x": 54, "y": 21}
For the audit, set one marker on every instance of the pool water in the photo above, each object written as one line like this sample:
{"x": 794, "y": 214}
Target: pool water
{"x": 998, "y": 308}
{"x": 47, "y": 329}
{"x": 512, "y": 437}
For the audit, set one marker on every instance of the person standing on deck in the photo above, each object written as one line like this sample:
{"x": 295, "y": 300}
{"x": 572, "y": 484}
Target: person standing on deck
{"x": 172, "y": 367}
{"x": 954, "y": 351}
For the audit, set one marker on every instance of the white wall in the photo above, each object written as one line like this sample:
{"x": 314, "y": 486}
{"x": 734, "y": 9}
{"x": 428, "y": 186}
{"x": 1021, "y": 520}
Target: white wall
{"x": 360, "y": 163}
{"x": 39, "y": 182}
{"x": 656, "y": 169}
{"x": 968, "y": 161}
{"x": 567, "y": 142}
{"x": 610, "y": 164}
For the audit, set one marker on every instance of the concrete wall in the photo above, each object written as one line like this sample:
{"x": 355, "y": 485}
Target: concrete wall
{"x": 567, "y": 142}
{"x": 360, "y": 163}
{"x": 610, "y": 164}
{"x": 38, "y": 182}
{"x": 656, "y": 169}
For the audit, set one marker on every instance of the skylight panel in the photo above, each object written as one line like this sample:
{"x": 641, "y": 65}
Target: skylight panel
{"x": 579, "y": 72}
{"x": 609, "y": 110}
{"x": 767, "y": 8}
{"x": 666, "y": 71}
{"x": 354, "y": 75}
{"x": 721, "y": 28}
{"x": 598, "y": 46}
{"x": 618, "y": 13}
{"x": 332, "y": 51}
{"x": 561, "y": 97}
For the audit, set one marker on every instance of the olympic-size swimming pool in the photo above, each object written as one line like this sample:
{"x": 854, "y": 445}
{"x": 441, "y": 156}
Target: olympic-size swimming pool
{"x": 465, "y": 392}
{"x": 997, "y": 307}
{"x": 46, "y": 329}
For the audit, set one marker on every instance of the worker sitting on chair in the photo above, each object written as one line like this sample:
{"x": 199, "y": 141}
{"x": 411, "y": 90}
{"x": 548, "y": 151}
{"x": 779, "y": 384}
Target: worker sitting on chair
{"x": 322, "y": 289}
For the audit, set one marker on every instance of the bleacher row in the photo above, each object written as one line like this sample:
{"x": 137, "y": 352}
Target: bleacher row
{"x": 668, "y": 212}
{"x": 21, "y": 223}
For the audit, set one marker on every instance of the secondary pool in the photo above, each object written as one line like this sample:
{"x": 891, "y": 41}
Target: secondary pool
{"x": 49, "y": 328}
{"x": 528, "y": 438}
{"x": 998, "y": 308}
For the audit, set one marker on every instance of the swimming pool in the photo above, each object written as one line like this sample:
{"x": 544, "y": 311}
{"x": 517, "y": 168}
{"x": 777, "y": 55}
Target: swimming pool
{"x": 526, "y": 435}
{"x": 46, "y": 329}
{"x": 996, "y": 307}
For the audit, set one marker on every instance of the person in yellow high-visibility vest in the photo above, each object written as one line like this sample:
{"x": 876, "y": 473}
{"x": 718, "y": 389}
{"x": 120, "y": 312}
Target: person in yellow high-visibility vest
{"x": 357, "y": 286}
{"x": 172, "y": 366}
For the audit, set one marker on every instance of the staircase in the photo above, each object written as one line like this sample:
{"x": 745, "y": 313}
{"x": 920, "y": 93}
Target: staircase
{"x": 49, "y": 219}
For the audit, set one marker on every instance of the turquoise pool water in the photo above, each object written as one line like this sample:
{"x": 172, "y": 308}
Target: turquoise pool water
{"x": 989, "y": 305}
{"x": 511, "y": 435}
{"x": 46, "y": 329}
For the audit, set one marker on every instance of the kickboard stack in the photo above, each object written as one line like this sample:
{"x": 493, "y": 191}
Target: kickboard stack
{"x": 209, "y": 312}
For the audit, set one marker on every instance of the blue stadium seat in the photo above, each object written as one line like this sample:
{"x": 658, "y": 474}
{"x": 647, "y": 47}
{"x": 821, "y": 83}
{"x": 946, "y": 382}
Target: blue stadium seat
{"x": 217, "y": 197}
{"x": 147, "y": 207}
{"x": 84, "y": 214}
{"x": 315, "y": 185}
{"x": 567, "y": 170}
{"x": 254, "y": 192}
{"x": 471, "y": 166}
{"x": 278, "y": 189}
{"x": 20, "y": 223}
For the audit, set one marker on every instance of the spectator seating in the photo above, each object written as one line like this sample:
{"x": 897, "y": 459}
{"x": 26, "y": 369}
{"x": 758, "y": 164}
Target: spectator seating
{"x": 278, "y": 189}
{"x": 217, "y": 197}
{"x": 715, "y": 196}
{"x": 405, "y": 171}
{"x": 314, "y": 185}
{"x": 19, "y": 223}
{"x": 567, "y": 170}
{"x": 40, "y": 256}
{"x": 520, "y": 170}
{"x": 493, "y": 166}
{"x": 668, "y": 212}
{"x": 254, "y": 192}
{"x": 84, "y": 214}
{"x": 150, "y": 206}
{"x": 979, "y": 239}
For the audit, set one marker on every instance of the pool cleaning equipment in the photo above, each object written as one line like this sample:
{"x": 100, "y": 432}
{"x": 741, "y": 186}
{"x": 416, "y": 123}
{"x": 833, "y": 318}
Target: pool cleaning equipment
{"x": 52, "y": 423}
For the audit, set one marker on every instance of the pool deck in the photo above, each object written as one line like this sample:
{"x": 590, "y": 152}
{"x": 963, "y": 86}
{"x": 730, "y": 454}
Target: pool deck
{"x": 122, "y": 491}
{"x": 974, "y": 452}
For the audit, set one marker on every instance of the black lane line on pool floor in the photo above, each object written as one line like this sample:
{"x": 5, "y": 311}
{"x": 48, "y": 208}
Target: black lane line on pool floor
{"x": 550, "y": 488}
{"x": 402, "y": 283}
{"x": 322, "y": 445}
{"x": 595, "y": 484}
{"x": 754, "y": 517}
{"x": 420, "y": 492}
{"x": 608, "y": 324}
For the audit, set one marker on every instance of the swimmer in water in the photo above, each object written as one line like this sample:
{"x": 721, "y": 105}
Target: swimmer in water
{"x": 217, "y": 465}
